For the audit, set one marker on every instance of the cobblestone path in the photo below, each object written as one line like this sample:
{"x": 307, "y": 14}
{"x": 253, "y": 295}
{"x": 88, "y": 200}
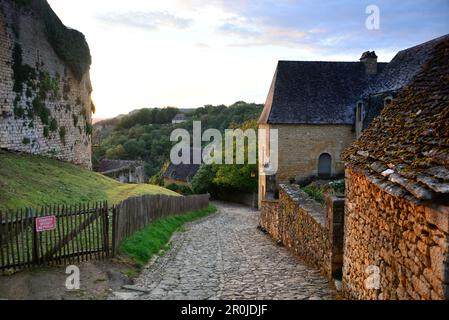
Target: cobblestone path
{"x": 225, "y": 256}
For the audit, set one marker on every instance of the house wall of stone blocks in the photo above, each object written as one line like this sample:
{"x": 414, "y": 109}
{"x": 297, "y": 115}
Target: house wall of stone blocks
{"x": 393, "y": 248}
{"x": 69, "y": 105}
{"x": 300, "y": 147}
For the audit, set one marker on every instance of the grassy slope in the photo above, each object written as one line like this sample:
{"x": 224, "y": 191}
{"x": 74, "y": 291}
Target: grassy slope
{"x": 31, "y": 181}
{"x": 142, "y": 245}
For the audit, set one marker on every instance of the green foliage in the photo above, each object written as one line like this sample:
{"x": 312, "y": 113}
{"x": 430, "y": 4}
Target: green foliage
{"x": 89, "y": 129}
{"x": 33, "y": 181}
{"x": 203, "y": 181}
{"x": 19, "y": 112}
{"x": 153, "y": 127}
{"x": 70, "y": 45}
{"x": 41, "y": 110}
{"x": 142, "y": 245}
{"x": 184, "y": 190}
{"x": 135, "y": 147}
{"x": 117, "y": 152}
{"x": 173, "y": 187}
{"x": 237, "y": 177}
{"x": 62, "y": 134}
{"x": 316, "y": 192}
{"x": 22, "y": 73}
{"x": 147, "y": 116}
{"x": 53, "y": 125}
{"x": 46, "y": 132}
{"x": 338, "y": 186}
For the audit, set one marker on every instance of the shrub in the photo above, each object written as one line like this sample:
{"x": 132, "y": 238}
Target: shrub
{"x": 185, "y": 190}
{"x": 62, "y": 134}
{"x": 338, "y": 186}
{"x": 53, "y": 125}
{"x": 315, "y": 191}
{"x": 173, "y": 187}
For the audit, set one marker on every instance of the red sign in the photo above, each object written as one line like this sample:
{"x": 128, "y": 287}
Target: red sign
{"x": 45, "y": 223}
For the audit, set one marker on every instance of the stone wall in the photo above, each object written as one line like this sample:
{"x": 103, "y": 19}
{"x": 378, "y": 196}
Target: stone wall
{"x": 335, "y": 209}
{"x": 300, "y": 224}
{"x": 248, "y": 199}
{"x": 390, "y": 239}
{"x": 44, "y": 108}
{"x": 269, "y": 218}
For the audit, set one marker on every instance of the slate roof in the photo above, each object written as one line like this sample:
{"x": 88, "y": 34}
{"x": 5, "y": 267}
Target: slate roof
{"x": 405, "y": 151}
{"x": 403, "y": 68}
{"x": 109, "y": 166}
{"x": 181, "y": 172}
{"x": 310, "y": 92}
{"x": 317, "y": 92}
{"x": 179, "y": 117}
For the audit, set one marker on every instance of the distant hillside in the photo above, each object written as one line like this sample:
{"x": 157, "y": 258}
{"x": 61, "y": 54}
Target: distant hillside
{"x": 145, "y": 133}
{"x": 33, "y": 181}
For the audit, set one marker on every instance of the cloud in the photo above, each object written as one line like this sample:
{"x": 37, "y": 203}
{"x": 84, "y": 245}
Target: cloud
{"x": 149, "y": 20}
{"x": 333, "y": 27}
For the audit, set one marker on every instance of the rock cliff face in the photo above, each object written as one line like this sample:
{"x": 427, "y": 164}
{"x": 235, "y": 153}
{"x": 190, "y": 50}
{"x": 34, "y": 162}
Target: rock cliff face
{"x": 45, "y": 89}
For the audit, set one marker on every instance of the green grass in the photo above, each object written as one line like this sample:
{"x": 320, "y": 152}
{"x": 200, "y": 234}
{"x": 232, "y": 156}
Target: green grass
{"x": 142, "y": 245}
{"x": 33, "y": 181}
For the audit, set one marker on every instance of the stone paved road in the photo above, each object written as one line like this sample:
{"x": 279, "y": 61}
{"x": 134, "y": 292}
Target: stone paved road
{"x": 225, "y": 256}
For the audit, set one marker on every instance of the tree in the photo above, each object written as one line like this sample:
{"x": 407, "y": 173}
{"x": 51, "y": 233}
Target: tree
{"x": 134, "y": 148}
{"x": 117, "y": 152}
{"x": 203, "y": 181}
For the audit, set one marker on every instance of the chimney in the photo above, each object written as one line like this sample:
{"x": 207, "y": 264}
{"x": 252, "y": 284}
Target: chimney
{"x": 369, "y": 59}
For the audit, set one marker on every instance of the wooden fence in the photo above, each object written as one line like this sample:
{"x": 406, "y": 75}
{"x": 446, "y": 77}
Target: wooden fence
{"x": 61, "y": 235}
{"x": 134, "y": 213}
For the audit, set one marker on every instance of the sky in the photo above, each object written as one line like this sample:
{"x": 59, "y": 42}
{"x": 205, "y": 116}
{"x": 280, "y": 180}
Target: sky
{"x": 189, "y": 53}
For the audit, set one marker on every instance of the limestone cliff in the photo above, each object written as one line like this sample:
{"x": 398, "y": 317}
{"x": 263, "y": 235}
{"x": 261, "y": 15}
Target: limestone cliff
{"x": 45, "y": 89}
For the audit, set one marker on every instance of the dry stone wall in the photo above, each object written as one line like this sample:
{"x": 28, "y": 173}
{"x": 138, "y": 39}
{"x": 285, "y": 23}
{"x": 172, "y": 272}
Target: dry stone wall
{"x": 300, "y": 224}
{"x": 398, "y": 244}
{"x": 44, "y": 108}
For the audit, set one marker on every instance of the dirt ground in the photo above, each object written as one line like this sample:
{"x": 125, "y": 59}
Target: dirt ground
{"x": 98, "y": 280}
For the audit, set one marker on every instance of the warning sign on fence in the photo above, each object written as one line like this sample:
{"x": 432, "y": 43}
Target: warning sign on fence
{"x": 45, "y": 223}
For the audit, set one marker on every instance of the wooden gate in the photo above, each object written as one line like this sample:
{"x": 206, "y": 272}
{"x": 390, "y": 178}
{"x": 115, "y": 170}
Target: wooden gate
{"x": 79, "y": 233}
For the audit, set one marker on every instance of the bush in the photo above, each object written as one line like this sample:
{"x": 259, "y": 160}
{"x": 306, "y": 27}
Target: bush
{"x": 173, "y": 187}
{"x": 185, "y": 190}
{"x": 338, "y": 186}
{"x": 315, "y": 191}
{"x": 202, "y": 182}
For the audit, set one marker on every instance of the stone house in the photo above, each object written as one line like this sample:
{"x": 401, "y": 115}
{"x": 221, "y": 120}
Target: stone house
{"x": 124, "y": 171}
{"x": 181, "y": 174}
{"x": 397, "y": 197}
{"x": 179, "y": 118}
{"x": 320, "y": 108}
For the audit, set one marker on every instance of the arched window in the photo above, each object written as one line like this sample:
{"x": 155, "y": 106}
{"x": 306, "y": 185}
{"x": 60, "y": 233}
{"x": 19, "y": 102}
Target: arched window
{"x": 325, "y": 166}
{"x": 388, "y": 100}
